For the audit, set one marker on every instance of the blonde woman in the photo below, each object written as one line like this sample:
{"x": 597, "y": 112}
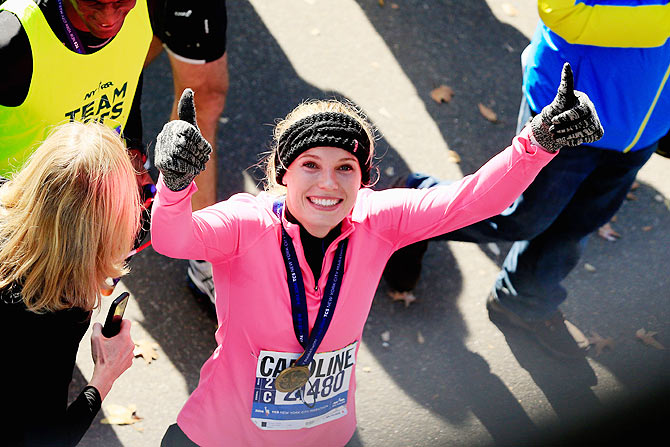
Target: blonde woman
{"x": 67, "y": 221}
{"x": 295, "y": 274}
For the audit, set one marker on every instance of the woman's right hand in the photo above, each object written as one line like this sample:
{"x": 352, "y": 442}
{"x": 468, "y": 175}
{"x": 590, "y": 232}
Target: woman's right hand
{"x": 111, "y": 356}
{"x": 181, "y": 151}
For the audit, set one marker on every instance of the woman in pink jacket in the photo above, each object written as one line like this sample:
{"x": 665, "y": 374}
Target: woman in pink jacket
{"x": 295, "y": 272}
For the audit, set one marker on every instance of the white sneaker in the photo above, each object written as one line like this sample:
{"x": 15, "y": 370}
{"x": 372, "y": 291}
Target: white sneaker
{"x": 200, "y": 279}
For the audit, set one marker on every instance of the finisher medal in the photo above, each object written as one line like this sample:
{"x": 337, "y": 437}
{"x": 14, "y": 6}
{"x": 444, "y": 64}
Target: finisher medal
{"x": 292, "y": 378}
{"x": 296, "y": 376}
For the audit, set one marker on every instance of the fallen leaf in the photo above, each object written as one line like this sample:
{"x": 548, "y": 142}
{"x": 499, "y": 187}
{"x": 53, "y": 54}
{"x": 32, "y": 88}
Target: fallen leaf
{"x": 589, "y": 268}
{"x": 146, "y": 349}
{"x": 634, "y": 186}
{"x": 631, "y": 196}
{"x": 648, "y": 338}
{"x": 381, "y": 2}
{"x": 453, "y": 156}
{"x": 120, "y": 415}
{"x": 600, "y": 343}
{"x": 442, "y": 94}
{"x": 386, "y": 336}
{"x": 577, "y": 334}
{"x": 608, "y": 233}
{"x": 487, "y": 113}
{"x": 509, "y": 10}
{"x": 407, "y": 297}
{"x": 614, "y": 219}
{"x": 419, "y": 338}
{"x": 394, "y": 6}
{"x": 647, "y": 227}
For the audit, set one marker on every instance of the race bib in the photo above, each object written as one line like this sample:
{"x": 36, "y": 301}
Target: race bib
{"x": 322, "y": 399}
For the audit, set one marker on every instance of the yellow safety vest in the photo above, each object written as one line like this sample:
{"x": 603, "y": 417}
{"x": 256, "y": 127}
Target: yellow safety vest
{"x": 67, "y": 86}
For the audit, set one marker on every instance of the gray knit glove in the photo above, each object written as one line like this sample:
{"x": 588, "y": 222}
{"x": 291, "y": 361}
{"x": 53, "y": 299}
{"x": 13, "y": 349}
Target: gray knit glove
{"x": 570, "y": 119}
{"x": 181, "y": 151}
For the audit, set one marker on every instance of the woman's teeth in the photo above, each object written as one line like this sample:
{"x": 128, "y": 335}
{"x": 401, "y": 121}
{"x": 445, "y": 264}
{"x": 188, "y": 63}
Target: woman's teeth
{"x": 324, "y": 202}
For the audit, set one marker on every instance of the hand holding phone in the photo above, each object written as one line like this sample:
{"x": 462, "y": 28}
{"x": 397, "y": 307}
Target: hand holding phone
{"x": 115, "y": 315}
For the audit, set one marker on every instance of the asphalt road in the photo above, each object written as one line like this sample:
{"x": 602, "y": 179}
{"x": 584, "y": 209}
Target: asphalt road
{"x": 447, "y": 375}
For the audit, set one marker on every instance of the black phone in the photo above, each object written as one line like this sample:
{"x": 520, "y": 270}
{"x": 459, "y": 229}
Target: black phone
{"x": 115, "y": 315}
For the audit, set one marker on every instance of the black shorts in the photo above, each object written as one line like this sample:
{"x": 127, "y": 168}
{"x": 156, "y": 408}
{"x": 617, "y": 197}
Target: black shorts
{"x": 192, "y": 30}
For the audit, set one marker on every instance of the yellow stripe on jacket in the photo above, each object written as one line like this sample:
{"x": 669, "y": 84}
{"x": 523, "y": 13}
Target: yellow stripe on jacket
{"x": 607, "y": 25}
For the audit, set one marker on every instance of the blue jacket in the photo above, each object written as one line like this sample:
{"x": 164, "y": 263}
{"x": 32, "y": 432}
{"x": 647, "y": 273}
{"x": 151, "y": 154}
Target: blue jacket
{"x": 619, "y": 51}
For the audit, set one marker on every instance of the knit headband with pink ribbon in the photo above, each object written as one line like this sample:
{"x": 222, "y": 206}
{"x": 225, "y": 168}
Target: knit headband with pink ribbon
{"x": 331, "y": 129}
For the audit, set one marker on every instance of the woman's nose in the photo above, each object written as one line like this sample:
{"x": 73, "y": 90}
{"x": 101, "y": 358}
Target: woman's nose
{"x": 327, "y": 180}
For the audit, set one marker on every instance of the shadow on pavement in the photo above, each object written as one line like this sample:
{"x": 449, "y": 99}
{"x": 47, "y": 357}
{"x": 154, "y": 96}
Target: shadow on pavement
{"x": 463, "y": 45}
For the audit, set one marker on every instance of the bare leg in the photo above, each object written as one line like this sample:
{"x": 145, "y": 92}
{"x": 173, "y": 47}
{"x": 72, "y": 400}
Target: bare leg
{"x": 209, "y": 82}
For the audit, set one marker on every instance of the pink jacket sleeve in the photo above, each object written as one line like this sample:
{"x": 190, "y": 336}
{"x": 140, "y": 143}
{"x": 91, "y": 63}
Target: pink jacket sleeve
{"x": 211, "y": 233}
{"x": 404, "y": 216}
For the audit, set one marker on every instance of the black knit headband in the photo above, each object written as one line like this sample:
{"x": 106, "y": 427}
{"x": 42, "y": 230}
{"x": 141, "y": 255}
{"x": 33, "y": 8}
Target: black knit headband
{"x": 323, "y": 129}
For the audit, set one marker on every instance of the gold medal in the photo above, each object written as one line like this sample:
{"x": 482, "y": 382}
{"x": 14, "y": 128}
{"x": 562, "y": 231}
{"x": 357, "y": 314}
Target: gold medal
{"x": 292, "y": 378}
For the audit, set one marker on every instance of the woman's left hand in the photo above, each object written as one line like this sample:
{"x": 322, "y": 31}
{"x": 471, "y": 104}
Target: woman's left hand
{"x": 570, "y": 119}
{"x": 112, "y": 356}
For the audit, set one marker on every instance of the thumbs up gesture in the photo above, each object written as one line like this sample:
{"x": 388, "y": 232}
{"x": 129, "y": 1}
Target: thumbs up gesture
{"x": 181, "y": 151}
{"x": 570, "y": 119}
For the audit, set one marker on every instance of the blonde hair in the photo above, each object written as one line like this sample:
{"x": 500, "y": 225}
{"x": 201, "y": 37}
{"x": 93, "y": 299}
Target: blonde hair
{"x": 303, "y": 110}
{"x": 69, "y": 218}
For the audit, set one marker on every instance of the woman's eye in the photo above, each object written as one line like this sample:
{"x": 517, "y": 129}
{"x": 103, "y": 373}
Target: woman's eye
{"x": 310, "y": 165}
{"x": 346, "y": 168}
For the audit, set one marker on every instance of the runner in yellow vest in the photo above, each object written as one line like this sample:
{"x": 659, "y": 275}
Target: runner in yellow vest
{"x": 67, "y": 85}
{"x": 45, "y": 80}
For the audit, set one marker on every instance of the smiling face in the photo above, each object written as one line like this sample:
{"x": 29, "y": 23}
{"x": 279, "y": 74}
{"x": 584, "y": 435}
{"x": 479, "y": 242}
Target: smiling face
{"x": 322, "y": 184}
{"x": 102, "y": 18}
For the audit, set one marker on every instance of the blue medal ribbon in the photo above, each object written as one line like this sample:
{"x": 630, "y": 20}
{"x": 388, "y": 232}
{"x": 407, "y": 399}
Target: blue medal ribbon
{"x": 75, "y": 42}
{"x": 296, "y": 287}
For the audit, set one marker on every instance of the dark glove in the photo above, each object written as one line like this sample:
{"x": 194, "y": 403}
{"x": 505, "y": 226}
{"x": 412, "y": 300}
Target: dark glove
{"x": 181, "y": 151}
{"x": 570, "y": 119}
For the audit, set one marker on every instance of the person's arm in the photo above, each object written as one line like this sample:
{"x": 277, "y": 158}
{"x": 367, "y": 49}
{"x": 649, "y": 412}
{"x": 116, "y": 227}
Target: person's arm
{"x": 570, "y": 120}
{"x": 48, "y": 425}
{"x": 606, "y": 23}
{"x": 180, "y": 155}
{"x": 16, "y": 59}
{"x": 132, "y": 131}
{"x": 405, "y": 215}
{"x": 112, "y": 356}
{"x": 79, "y": 416}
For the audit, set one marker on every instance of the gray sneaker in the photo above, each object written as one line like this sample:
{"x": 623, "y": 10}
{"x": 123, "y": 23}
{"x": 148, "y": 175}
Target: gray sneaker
{"x": 555, "y": 334}
{"x": 201, "y": 281}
